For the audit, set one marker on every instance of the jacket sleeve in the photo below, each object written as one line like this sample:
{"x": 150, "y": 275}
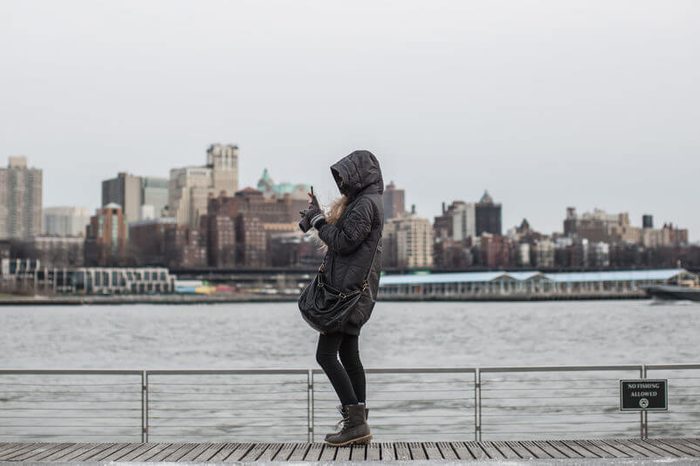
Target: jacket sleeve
{"x": 356, "y": 226}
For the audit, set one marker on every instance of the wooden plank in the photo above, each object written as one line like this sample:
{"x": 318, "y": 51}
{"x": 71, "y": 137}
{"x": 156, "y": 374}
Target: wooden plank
{"x": 238, "y": 453}
{"x": 506, "y": 450}
{"x": 167, "y": 451}
{"x": 86, "y": 453}
{"x": 614, "y": 452}
{"x": 553, "y": 452}
{"x": 673, "y": 450}
{"x": 117, "y": 450}
{"x": 643, "y": 452}
{"x": 343, "y": 453}
{"x": 213, "y": 449}
{"x": 28, "y": 447}
{"x": 572, "y": 449}
{"x": 475, "y": 449}
{"x": 253, "y": 453}
{"x": 624, "y": 448}
{"x": 284, "y": 452}
{"x": 432, "y": 451}
{"x": 8, "y": 447}
{"x": 402, "y": 451}
{"x": 683, "y": 443}
{"x": 65, "y": 452}
{"x": 491, "y": 450}
{"x": 653, "y": 448}
{"x": 600, "y": 452}
{"x": 151, "y": 452}
{"x": 536, "y": 451}
{"x": 43, "y": 452}
{"x": 224, "y": 452}
{"x": 417, "y": 452}
{"x": 358, "y": 452}
{"x": 520, "y": 450}
{"x": 270, "y": 452}
{"x": 185, "y": 449}
{"x": 387, "y": 451}
{"x": 141, "y": 450}
{"x": 328, "y": 453}
{"x": 694, "y": 441}
{"x": 373, "y": 452}
{"x": 195, "y": 452}
{"x": 314, "y": 452}
{"x": 17, "y": 449}
{"x": 299, "y": 452}
{"x": 448, "y": 453}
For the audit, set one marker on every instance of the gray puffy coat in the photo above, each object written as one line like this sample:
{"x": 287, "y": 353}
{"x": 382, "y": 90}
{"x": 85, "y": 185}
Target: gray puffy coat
{"x": 353, "y": 238}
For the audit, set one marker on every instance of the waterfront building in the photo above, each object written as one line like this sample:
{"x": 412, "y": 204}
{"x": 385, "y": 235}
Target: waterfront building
{"x": 527, "y": 285}
{"x": 52, "y": 251}
{"x": 106, "y": 237}
{"x": 185, "y": 247}
{"x": 30, "y": 275}
{"x": 20, "y": 200}
{"x": 190, "y": 187}
{"x": 394, "y": 201}
{"x": 488, "y": 216}
{"x": 66, "y": 221}
{"x": 408, "y": 242}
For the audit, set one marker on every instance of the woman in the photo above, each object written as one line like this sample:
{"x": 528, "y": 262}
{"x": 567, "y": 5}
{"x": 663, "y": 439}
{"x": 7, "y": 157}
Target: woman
{"x": 352, "y": 232}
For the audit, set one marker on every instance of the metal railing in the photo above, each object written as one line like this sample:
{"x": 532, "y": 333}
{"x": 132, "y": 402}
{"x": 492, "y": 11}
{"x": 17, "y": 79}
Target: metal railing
{"x": 494, "y": 403}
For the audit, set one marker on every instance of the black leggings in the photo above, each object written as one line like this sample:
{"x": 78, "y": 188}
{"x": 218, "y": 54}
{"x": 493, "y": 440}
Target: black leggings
{"x": 348, "y": 378}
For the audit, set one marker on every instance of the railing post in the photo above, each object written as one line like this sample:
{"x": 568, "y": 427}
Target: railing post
{"x": 310, "y": 404}
{"x": 643, "y": 414}
{"x": 144, "y": 407}
{"x": 477, "y": 405}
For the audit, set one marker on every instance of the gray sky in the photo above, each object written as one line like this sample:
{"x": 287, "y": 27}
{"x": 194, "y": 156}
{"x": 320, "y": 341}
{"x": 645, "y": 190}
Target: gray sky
{"x": 545, "y": 103}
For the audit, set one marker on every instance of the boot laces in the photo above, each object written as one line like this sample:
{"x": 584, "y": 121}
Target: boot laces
{"x": 345, "y": 418}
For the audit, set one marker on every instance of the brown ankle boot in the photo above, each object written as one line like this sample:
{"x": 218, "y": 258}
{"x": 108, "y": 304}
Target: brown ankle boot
{"x": 355, "y": 428}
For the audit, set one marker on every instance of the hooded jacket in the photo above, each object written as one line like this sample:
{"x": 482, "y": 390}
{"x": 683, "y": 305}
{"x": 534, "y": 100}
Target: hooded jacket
{"x": 353, "y": 238}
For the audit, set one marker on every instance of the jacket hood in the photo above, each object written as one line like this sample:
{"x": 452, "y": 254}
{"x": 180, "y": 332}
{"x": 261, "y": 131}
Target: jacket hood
{"x": 358, "y": 172}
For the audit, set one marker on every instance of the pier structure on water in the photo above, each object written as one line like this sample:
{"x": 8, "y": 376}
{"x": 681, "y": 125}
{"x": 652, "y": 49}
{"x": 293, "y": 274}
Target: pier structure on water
{"x": 532, "y": 285}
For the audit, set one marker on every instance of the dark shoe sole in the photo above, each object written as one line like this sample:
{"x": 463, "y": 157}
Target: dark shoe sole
{"x": 356, "y": 441}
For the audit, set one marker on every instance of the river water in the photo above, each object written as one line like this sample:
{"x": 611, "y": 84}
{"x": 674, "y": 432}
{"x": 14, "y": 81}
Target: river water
{"x": 272, "y": 335}
{"x": 405, "y": 406}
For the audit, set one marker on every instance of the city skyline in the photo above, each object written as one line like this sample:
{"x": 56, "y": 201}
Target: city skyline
{"x": 545, "y": 104}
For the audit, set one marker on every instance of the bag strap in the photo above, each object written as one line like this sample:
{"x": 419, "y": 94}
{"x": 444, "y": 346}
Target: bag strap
{"x": 365, "y": 283}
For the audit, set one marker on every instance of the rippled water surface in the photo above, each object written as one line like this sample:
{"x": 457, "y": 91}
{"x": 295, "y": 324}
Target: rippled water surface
{"x": 398, "y": 335}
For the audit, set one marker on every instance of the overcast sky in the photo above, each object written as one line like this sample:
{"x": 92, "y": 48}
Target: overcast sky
{"x": 544, "y": 103}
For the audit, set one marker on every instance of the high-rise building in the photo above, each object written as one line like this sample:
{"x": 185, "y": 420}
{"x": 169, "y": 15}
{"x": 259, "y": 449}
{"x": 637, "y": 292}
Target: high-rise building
{"x": 154, "y": 197}
{"x": 105, "y": 237}
{"x": 125, "y": 191}
{"x": 408, "y": 242}
{"x": 488, "y": 216}
{"x": 20, "y": 200}
{"x": 190, "y": 187}
{"x": 66, "y": 221}
{"x": 394, "y": 201}
{"x": 223, "y": 161}
{"x": 457, "y": 222}
{"x": 647, "y": 221}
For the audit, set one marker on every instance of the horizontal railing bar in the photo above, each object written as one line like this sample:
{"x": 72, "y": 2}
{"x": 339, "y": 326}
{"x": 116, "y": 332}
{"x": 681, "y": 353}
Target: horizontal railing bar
{"x": 624, "y": 367}
{"x": 681, "y": 366}
{"x": 71, "y": 384}
{"x": 226, "y": 371}
{"x": 71, "y": 371}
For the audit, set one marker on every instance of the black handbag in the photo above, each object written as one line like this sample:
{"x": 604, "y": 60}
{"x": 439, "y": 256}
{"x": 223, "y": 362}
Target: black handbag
{"x": 325, "y": 308}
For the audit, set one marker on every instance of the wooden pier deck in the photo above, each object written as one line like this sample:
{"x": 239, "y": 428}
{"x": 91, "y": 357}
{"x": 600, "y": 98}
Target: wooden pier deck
{"x": 580, "y": 450}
